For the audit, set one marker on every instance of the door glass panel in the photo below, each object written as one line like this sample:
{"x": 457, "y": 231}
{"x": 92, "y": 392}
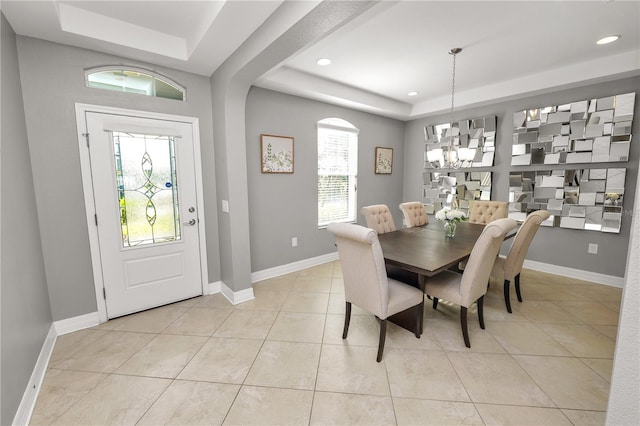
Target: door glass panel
{"x": 147, "y": 185}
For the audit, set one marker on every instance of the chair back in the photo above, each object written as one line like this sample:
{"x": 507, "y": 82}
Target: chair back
{"x": 487, "y": 211}
{"x": 378, "y": 218}
{"x": 363, "y": 269}
{"x": 483, "y": 255}
{"x": 414, "y": 214}
{"x": 521, "y": 242}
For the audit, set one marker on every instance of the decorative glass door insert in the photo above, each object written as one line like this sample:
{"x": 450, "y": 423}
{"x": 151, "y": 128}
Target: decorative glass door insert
{"x": 147, "y": 187}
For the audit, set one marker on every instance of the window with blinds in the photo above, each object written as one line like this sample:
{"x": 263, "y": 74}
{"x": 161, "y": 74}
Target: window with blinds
{"x": 337, "y": 171}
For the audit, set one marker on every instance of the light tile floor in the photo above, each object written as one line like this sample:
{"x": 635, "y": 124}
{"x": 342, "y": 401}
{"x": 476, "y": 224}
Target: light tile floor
{"x": 280, "y": 359}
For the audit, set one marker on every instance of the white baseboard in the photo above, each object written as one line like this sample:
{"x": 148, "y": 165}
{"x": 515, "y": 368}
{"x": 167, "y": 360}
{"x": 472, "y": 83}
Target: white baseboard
{"x": 293, "y": 267}
{"x": 594, "y": 277}
{"x": 214, "y": 288}
{"x": 80, "y": 322}
{"x": 236, "y": 297}
{"x": 28, "y": 402}
{"x": 564, "y": 271}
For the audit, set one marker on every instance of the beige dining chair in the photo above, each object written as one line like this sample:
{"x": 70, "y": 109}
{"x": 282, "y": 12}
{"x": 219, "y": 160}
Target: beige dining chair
{"x": 366, "y": 283}
{"x": 414, "y": 214}
{"x": 378, "y": 217}
{"x": 509, "y": 268}
{"x": 470, "y": 286}
{"x": 484, "y": 212}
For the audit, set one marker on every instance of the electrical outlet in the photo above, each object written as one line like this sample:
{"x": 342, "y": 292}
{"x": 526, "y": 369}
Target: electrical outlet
{"x": 593, "y": 248}
{"x": 294, "y": 242}
{"x": 225, "y": 206}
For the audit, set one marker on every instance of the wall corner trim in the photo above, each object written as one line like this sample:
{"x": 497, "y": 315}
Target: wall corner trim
{"x": 593, "y": 277}
{"x": 236, "y": 297}
{"x": 30, "y": 396}
{"x": 80, "y": 322}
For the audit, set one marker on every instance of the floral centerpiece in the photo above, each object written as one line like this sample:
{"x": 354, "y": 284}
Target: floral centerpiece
{"x": 450, "y": 219}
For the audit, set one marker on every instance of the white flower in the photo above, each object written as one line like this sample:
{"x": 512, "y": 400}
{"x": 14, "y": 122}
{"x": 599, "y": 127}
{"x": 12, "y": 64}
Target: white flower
{"x": 450, "y": 215}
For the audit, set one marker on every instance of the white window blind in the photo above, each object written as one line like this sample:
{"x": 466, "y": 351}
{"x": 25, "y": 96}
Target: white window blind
{"x": 337, "y": 171}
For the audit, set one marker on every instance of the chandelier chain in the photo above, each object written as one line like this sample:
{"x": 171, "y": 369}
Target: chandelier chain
{"x": 453, "y": 84}
{"x": 450, "y": 161}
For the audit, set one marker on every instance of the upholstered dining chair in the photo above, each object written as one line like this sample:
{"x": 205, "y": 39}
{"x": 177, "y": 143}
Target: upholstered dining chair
{"x": 414, "y": 214}
{"x": 470, "y": 286}
{"x": 509, "y": 268}
{"x": 365, "y": 280}
{"x": 378, "y": 218}
{"x": 487, "y": 211}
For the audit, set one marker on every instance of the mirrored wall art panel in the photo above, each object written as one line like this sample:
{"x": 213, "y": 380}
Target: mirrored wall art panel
{"x": 442, "y": 189}
{"x": 593, "y": 131}
{"x": 588, "y": 199}
{"x": 468, "y": 143}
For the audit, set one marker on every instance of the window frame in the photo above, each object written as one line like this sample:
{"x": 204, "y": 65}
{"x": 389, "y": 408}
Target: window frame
{"x": 343, "y": 126}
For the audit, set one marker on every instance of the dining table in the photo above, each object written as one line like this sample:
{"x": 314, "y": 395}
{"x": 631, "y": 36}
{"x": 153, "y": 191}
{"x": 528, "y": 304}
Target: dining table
{"x": 412, "y": 255}
{"x": 425, "y": 250}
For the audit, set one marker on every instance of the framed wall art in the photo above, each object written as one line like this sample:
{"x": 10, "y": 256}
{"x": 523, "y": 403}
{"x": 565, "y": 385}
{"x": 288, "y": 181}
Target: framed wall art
{"x": 276, "y": 153}
{"x": 384, "y": 160}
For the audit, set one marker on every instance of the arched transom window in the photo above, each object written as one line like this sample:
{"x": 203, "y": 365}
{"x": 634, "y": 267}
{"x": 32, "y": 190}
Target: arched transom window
{"x": 134, "y": 80}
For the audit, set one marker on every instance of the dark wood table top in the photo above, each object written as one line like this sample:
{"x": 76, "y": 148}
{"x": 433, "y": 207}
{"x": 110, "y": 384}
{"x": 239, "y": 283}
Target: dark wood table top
{"x": 425, "y": 250}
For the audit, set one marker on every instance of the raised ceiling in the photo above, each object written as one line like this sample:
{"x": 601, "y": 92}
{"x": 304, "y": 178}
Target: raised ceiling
{"x": 509, "y": 48}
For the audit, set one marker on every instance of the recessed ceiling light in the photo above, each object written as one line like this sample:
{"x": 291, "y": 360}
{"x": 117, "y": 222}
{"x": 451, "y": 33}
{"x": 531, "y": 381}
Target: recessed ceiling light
{"x": 414, "y": 93}
{"x": 608, "y": 39}
{"x": 323, "y": 61}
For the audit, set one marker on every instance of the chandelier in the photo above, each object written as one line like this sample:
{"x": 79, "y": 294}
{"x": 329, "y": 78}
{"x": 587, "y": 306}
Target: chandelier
{"x": 452, "y": 157}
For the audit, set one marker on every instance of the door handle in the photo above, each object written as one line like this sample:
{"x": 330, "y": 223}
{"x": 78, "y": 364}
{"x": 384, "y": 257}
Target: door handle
{"x": 190, "y": 223}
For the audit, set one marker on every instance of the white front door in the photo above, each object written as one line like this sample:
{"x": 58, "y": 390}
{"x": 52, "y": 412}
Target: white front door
{"x": 143, "y": 175}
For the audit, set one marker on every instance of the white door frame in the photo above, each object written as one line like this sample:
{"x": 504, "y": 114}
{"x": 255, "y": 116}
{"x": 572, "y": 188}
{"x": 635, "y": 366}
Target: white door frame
{"x": 87, "y": 185}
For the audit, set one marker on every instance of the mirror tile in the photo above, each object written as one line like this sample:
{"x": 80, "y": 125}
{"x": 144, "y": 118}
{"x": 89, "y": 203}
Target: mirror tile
{"x": 581, "y": 132}
{"x": 588, "y": 199}
{"x": 476, "y": 136}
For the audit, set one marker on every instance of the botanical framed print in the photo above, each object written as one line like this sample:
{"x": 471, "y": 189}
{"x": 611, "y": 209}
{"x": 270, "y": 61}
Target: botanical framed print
{"x": 276, "y": 153}
{"x": 384, "y": 160}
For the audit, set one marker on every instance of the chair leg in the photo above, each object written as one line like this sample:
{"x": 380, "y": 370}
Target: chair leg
{"x": 463, "y": 323}
{"x": 507, "y": 298}
{"x": 420, "y": 319}
{"x": 517, "y": 283}
{"x": 480, "y": 303}
{"x": 435, "y": 303}
{"x": 347, "y": 318}
{"x": 383, "y": 333}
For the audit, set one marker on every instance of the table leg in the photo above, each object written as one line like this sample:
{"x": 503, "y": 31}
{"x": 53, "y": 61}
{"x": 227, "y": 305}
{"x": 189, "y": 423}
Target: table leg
{"x": 407, "y": 319}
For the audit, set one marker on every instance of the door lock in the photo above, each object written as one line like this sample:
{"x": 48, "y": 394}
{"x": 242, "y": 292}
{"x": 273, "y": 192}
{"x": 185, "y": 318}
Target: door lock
{"x": 190, "y": 223}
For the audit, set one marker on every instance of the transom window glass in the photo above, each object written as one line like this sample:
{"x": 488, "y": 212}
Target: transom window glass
{"x": 337, "y": 171}
{"x": 146, "y": 178}
{"x": 134, "y": 80}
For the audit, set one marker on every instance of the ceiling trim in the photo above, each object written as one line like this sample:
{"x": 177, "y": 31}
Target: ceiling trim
{"x": 299, "y": 83}
{"x": 100, "y": 27}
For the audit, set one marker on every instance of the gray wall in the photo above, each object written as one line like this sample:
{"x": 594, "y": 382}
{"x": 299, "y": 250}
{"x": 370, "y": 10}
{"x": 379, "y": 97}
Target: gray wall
{"x": 26, "y": 315}
{"x": 625, "y": 391}
{"x": 282, "y": 206}
{"x": 556, "y": 246}
{"x": 53, "y": 81}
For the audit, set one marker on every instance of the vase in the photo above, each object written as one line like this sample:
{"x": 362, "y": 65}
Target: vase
{"x": 449, "y": 229}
